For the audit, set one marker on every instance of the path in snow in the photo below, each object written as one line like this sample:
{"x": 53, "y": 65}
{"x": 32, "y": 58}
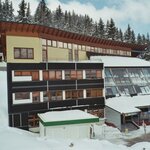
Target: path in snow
{"x": 143, "y": 138}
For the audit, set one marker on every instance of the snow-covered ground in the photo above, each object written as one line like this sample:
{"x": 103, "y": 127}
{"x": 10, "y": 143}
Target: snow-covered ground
{"x": 106, "y": 138}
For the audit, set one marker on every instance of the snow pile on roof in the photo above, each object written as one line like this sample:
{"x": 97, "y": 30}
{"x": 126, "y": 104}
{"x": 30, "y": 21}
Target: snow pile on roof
{"x": 65, "y": 115}
{"x": 116, "y": 61}
{"x": 128, "y": 104}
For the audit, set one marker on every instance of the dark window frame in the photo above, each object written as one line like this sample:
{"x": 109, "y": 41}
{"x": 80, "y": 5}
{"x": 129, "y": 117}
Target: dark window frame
{"x": 20, "y": 51}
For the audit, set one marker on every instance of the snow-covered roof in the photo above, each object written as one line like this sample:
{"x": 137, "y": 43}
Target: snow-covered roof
{"x": 116, "y": 61}
{"x": 128, "y": 104}
{"x": 66, "y": 117}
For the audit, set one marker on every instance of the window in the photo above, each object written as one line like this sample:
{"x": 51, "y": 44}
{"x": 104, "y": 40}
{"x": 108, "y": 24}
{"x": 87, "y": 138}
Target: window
{"x": 93, "y": 74}
{"x": 79, "y": 47}
{"x": 69, "y": 45}
{"x": 74, "y": 46}
{"x": 87, "y": 48}
{"x": 94, "y": 93}
{"x": 36, "y": 97}
{"x": 45, "y": 95}
{"x": 54, "y": 43}
{"x": 74, "y": 94}
{"x": 73, "y": 74}
{"x": 67, "y": 75}
{"x": 83, "y": 47}
{"x": 55, "y": 95}
{"x": 65, "y": 45}
{"x": 23, "y": 53}
{"x": 43, "y": 41}
{"x": 55, "y": 75}
{"x": 49, "y": 43}
{"x": 52, "y": 75}
{"x": 79, "y": 74}
{"x": 76, "y": 54}
{"x": 60, "y": 44}
{"x": 22, "y": 95}
{"x": 33, "y": 121}
{"x": 44, "y": 55}
{"x": 33, "y": 74}
{"x": 70, "y": 55}
{"x": 45, "y": 75}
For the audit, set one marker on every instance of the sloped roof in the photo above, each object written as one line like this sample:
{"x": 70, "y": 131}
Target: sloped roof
{"x": 48, "y": 32}
{"x": 116, "y": 61}
{"x": 126, "y": 104}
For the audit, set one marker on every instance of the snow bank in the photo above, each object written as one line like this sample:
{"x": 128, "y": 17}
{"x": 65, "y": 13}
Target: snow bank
{"x": 3, "y": 99}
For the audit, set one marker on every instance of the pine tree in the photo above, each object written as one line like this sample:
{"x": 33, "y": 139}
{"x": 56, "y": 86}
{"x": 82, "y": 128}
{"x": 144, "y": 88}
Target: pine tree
{"x": 111, "y": 29}
{"x": 120, "y": 36}
{"x": 79, "y": 24}
{"x": 28, "y": 14}
{"x": 22, "y": 12}
{"x": 42, "y": 14}
{"x": 139, "y": 39}
{"x": 101, "y": 28}
{"x": 66, "y": 20}
{"x": 116, "y": 37}
{"x": 107, "y": 29}
{"x": 11, "y": 12}
{"x": 132, "y": 37}
{"x": 1, "y": 10}
{"x": 96, "y": 33}
{"x": 58, "y": 18}
{"x": 6, "y": 10}
{"x": 88, "y": 25}
{"x": 147, "y": 38}
{"x": 143, "y": 39}
{"x": 127, "y": 34}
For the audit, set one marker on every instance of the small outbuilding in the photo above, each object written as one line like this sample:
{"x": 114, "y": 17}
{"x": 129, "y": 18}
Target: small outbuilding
{"x": 127, "y": 112}
{"x": 70, "y": 124}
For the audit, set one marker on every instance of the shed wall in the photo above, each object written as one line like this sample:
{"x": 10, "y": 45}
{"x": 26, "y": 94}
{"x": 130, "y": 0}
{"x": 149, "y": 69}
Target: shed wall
{"x": 113, "y": 116}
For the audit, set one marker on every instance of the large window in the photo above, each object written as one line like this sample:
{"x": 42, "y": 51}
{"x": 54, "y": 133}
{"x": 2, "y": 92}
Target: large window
{"x": 33, "y": 74}
{"x": 52, "y": 95}
{"x": 93, "y": 74}
{"x": 23, "y": 53}
{"x": 73, "y": 74}
{"x": 94, "y": 92}
{"x": 52, "y": 75}
{"x": 55, "y": 95}
{"x": 22, "y": 95}
{"x": 74, "y": 94}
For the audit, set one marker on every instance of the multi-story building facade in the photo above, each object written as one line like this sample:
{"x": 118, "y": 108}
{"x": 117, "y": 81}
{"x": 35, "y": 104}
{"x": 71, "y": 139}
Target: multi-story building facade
{"x": 48, "y": 69}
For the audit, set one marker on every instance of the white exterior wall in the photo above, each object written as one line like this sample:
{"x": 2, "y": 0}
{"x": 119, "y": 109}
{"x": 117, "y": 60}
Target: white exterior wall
{"x": 42, "y": 129}
{"x": 66, "y": 131}
{"x": 113, "y": 116}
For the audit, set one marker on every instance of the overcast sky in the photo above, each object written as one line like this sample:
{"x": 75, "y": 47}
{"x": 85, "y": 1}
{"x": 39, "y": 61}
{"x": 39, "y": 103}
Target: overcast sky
{"x": 124, "y": 12}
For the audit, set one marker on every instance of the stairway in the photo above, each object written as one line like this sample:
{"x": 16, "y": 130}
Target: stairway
{"x": 130, "y": 125}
